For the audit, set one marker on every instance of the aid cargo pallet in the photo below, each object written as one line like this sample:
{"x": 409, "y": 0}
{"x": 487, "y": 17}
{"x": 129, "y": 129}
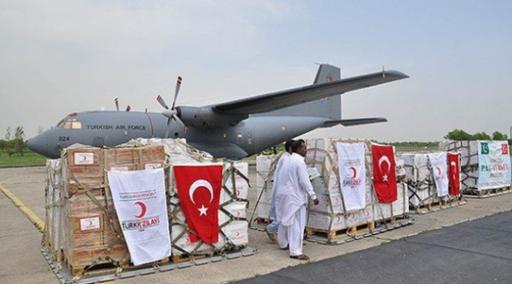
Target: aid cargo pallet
{"x": 337, "y": 237}
{"x": 438, "y": 205}
{"x": 102, "y": 274}
{"x": 486, "y": 193}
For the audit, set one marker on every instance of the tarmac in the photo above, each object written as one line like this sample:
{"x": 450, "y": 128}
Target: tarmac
{"x": 477, "y": 251}
{"x": 22, "y": 261}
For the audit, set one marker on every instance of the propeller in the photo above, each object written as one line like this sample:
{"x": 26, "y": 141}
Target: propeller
{"x": 128, "y": 108}
{"x": 116, "y": 101}
{"x": 171, "y": 113}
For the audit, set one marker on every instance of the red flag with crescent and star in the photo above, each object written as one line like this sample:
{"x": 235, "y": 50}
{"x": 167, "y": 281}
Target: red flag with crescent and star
{"x": 199, "y": 189}
{"x": 453, "y": 174}
{"x": 384, "y": 173}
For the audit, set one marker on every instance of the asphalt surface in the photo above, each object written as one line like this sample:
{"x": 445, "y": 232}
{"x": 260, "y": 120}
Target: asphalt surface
{"x": 478, "y": 251}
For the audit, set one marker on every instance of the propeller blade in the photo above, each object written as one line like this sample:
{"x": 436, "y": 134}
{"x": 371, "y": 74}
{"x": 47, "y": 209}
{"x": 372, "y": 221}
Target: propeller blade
{"x": 162, "y": 102}
{"x": 116, "y": 101}
{"x": 167, "y": 128}
{"x": 175, "y": 117}
{"x": 176, "y": 92}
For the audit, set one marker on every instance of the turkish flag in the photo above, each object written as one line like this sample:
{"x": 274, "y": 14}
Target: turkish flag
{"x": 199, "y": 189}
{"x": 454, "y": 174}
{"x": 384, "y": 175}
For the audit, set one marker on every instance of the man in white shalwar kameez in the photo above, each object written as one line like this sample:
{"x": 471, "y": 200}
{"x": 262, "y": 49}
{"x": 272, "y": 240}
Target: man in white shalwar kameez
{"x": 274, "y": 225}
{"x": 291, "y": 200}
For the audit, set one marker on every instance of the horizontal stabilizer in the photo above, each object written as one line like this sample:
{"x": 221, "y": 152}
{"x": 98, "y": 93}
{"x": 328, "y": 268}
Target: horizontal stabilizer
{"x": 355, "y": 121}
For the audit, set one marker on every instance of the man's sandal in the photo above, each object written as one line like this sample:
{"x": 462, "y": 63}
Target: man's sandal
{"x": 300, "y": 257}
{"x": 272, "y": 237}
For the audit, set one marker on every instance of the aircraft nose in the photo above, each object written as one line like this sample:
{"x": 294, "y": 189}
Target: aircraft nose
{"x": 38, "y": 144}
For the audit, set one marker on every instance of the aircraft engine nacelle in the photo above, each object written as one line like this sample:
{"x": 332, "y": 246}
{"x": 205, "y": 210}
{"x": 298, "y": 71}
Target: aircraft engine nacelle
{"x": 206, "y": 117}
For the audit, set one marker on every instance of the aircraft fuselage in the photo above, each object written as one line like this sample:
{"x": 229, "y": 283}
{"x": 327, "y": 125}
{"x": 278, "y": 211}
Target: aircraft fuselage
{"x": 110, "y": 128}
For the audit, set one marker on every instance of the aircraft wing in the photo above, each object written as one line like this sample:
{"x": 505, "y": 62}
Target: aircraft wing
{"x": 286, "y": 98}
{"x": 355, "y": 121}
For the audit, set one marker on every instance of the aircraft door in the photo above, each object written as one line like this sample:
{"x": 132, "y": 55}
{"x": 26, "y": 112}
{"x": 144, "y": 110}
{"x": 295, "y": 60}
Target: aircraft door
{"x": 150, "y": 131}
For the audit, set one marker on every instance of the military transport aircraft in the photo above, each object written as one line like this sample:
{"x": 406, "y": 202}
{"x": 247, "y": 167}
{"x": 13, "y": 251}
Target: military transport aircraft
{"x": 233, "y": 129}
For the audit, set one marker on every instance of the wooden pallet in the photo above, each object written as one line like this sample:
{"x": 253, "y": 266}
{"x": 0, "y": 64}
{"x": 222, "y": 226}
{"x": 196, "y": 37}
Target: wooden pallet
{"x": 205, "y": 254}
{"x": 335, "y": 237}
{"x": 99, "y": 267}
{"x": 438, "y": 205}
{"x": 351, "y": 231}
{"x": 108, "y": 267}
{"x": 99, "y": 275}
{"x": 488, "y": 192}
{"x": 189, "y": 257}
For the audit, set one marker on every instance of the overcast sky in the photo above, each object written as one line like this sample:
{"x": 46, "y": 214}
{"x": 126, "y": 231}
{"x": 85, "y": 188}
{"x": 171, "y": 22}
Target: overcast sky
{"x": 58, "y": 57}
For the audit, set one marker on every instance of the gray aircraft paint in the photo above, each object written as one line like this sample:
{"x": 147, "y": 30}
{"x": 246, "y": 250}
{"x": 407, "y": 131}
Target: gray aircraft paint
{"x": 235, "y": 132}
{"x": 329, "y": 107}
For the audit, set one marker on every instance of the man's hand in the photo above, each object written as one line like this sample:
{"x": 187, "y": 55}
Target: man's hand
{"x": 316, "y": 201}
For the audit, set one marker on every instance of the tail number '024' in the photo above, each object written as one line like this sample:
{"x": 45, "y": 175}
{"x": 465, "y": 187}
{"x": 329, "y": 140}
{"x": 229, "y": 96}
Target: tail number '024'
{"x": 63, "y": 138}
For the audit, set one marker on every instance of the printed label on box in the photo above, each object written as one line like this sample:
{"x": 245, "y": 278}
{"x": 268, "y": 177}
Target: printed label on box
{"x": 87, "y": 224}
{"x": 84, "y": 158}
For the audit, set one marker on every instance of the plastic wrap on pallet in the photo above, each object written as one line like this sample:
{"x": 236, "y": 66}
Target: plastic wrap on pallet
{"x": 467, "y": 149}
{"x": 264, "y": 184}
{"x": 86, "y": 227}
{"x": 397, "y": 208}
{"x": 322, "y": 155}
{"x": 239, "y": 187}
{"x": 232, "y": 205}
{"x": 470, "y": 163}
{"x": 329, "y": 215}
{"x": 54, "y": 200}
{"x": 91, "y": 231}
{"x": 419, "y": 180}
{"x": 421, "y": 186}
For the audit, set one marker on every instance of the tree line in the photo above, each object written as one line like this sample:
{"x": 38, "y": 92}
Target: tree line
{"x": 459, "y": 134}
{"x": 13, "y": 142}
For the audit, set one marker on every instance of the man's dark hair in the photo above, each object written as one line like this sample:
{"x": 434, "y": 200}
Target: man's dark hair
{"x": 288, "y": 145}
{"x": 296, "y": 145}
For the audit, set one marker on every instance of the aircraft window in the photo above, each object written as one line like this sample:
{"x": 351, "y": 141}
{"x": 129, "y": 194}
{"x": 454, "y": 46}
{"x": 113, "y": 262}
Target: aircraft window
{"x": 76, "y": 125}
{"x": 66, "y": 124}
{"x": 70, "y": 123}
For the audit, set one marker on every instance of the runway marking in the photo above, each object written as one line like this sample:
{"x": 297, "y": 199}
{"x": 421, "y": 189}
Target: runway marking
{"x": 24, "y": 209}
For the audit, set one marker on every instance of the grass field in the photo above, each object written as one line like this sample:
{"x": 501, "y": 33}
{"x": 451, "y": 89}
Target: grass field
{"x": 416, "y": 148}
{"x": 29, "y": 159}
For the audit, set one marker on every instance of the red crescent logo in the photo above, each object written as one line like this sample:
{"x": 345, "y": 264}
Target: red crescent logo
{"x": 439, "y": 172}
{"x": 354, "y": 172}
{"x": 143, "y": 209}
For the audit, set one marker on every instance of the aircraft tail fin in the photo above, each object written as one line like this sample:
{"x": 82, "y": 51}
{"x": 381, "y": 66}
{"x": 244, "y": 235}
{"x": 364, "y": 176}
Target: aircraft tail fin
{"x": 328, "y": 107}
{"x": 327, "y": 73}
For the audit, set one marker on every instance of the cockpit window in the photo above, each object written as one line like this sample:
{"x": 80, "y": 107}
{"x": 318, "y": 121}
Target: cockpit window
{"x": 70, "y": 123}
